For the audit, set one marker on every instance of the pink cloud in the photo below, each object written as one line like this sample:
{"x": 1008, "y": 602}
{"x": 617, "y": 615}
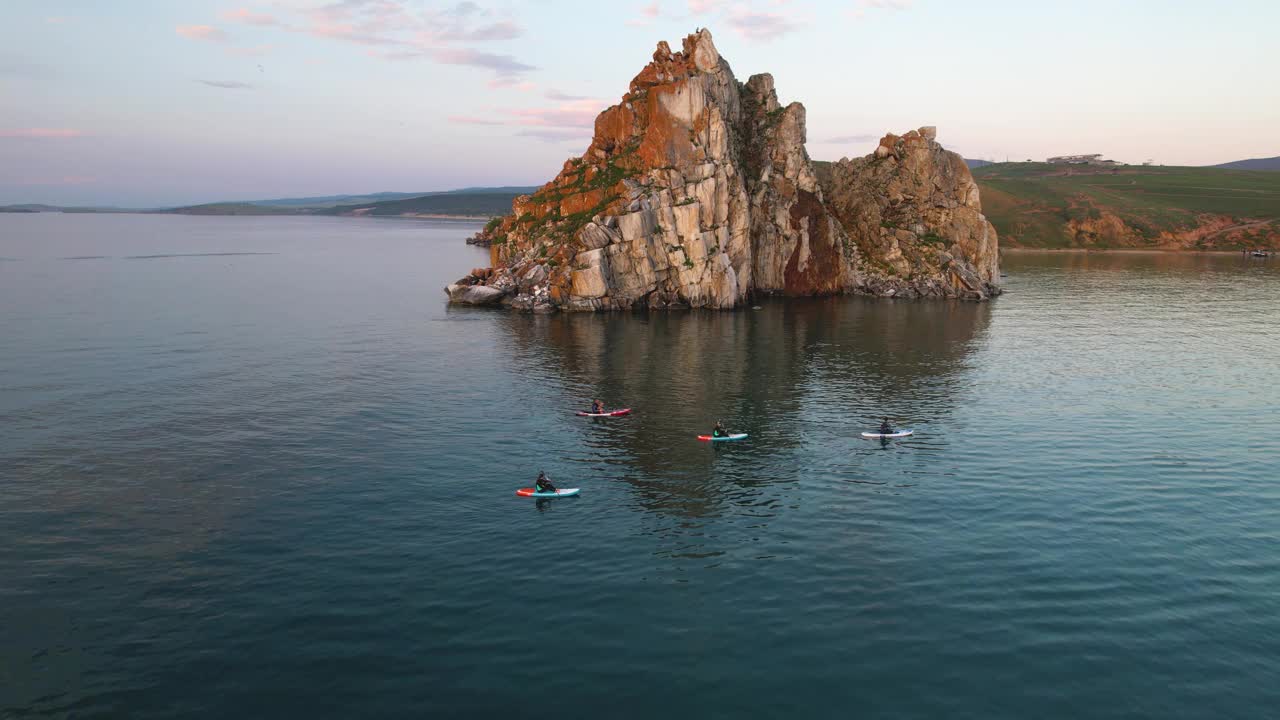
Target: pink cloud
{"x": 501, "y": 64}
{"x": 568, "y": 120}
{"x": 860, "y": 11}
{"x": 203, "y": 32}
{"x": 699, "y": 7}
{"x": 469, "y": 120}
{"x": 393, "y": 30}
{"x": 250, "y": 18}
{"x": 557, "y": 134}
{"x": 648, "y": 14}
{"x": 40, "y": 132}
{"x": 503, "y": 30}
{"x": 760, "y": 26}
{"x": 557, "y": 95}
{"x": 351, "y": 33}
{"x": 509, "y": 81}
{"x": 579, "y": 113}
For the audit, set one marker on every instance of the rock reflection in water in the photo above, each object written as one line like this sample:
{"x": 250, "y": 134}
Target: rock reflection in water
{"x": 792, "y": 374}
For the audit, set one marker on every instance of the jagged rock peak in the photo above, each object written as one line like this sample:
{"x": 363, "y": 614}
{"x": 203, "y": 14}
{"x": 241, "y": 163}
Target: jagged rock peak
{"x": 697, "y": 190}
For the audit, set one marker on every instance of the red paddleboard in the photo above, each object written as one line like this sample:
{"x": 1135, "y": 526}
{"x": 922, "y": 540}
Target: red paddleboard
{"x": 611, "y": 413}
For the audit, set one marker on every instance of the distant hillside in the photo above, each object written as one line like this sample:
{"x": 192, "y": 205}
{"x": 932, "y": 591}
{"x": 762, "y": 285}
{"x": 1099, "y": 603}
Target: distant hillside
{"x": 1041, "y": 205}
{"x": 326, "y": 201}
{"x": 484, "y": 203}
{"x": 39, "y": 207}
{"x": 481, "y": 201}
{"x": 228, "y": 208}
{"x": 976, "y": 163}
{"x": 1270, "y": 164}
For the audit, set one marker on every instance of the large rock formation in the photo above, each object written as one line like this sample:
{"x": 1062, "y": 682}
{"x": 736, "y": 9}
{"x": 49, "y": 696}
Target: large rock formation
{"x": 697, "y": 191}
{"x": 913, "y": 211}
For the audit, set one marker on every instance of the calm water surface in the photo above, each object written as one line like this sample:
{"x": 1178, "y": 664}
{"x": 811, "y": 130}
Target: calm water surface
{"x": 255, "y": 467}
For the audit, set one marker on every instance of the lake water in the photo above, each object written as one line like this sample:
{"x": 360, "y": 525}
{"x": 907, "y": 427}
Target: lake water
{"x": 255, "y": 467}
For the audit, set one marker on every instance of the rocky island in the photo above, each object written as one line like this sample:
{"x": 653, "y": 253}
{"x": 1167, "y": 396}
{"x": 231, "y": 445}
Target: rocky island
{"x": 697, "y": 192}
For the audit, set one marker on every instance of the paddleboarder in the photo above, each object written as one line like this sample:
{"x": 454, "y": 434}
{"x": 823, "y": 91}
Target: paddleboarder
{"x": 885, "y": 427}
{"x": 543, "y": 484}
{"x": 719, "y": 431}
{"x": 597, "y": 407}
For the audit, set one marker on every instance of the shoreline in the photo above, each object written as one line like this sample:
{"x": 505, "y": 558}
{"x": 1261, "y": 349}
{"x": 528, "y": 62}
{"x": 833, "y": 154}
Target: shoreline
{"x": 1134, "y": 251}
{"x": 438, "y": 216}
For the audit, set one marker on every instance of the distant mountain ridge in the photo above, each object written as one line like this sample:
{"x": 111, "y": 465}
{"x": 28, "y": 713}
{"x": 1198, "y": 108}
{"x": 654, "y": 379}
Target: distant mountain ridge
{"x": 1270, "y": 164}
{"x": 378, "y": 197}
{"x": 463, "y": 201}
{"x": 470, "y": 201}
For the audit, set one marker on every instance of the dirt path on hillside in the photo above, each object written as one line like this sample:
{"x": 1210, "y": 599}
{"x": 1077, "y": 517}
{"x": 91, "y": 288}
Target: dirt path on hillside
{"x": 1241, "y": 226}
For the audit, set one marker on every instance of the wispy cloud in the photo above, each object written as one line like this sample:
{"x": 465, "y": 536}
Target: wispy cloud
{"x": 760, "y": 26}
{"x": 557, "y": 95}
{"x": 248, "y": 17}
{"x": 40, "y": 132}
{"x": 203, "y": 32}
{"x": 227, "y": 84}
{"x": 508, "y": 70}
{"x": 395, "y": 30}
{"x": 557, "y": 135}
{"x": 648, "y": 14}
{"x": 512, "y": 82}
{"x": 569, "y": 121}
{"x": 863, "y": 6}
{"x": 470, "y": 120}
{"x": 578, "y": 113}
{"x": 747, "y": 21}
{"x": 849, "y": 139}
{"x": 702, "y": 7}
{"x": 501, "y": 64}
{"x": 57, "y": 19}
{"x": 503, "y": 30}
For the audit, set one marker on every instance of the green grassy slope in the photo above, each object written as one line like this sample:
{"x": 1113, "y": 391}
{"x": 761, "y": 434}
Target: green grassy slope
{"x": 1041, "y": 205}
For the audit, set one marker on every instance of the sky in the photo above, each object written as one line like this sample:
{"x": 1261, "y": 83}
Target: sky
{"x": 148, "y": 103}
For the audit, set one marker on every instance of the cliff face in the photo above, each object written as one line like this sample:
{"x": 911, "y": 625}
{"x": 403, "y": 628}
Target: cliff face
{"x": 697, "y": 190}
{"x": 912, "y": 208}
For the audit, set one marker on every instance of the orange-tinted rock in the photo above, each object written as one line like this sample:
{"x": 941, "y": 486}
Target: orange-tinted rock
{"x": 696, "y": 190}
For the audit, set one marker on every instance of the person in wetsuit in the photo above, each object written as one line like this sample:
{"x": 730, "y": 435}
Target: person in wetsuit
{"x": 719, "y": 431}
{"x": 597, "y": 407}
{"x": 885, "y": 427}
{"x": 543, "y": 484}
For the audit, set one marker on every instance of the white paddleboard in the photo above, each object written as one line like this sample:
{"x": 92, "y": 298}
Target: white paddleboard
{"x": 900, "y": 433}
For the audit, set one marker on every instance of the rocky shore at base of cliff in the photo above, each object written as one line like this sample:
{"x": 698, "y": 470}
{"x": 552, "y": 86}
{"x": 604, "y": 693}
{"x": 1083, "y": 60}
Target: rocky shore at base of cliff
{"x": 697, "y": 191}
